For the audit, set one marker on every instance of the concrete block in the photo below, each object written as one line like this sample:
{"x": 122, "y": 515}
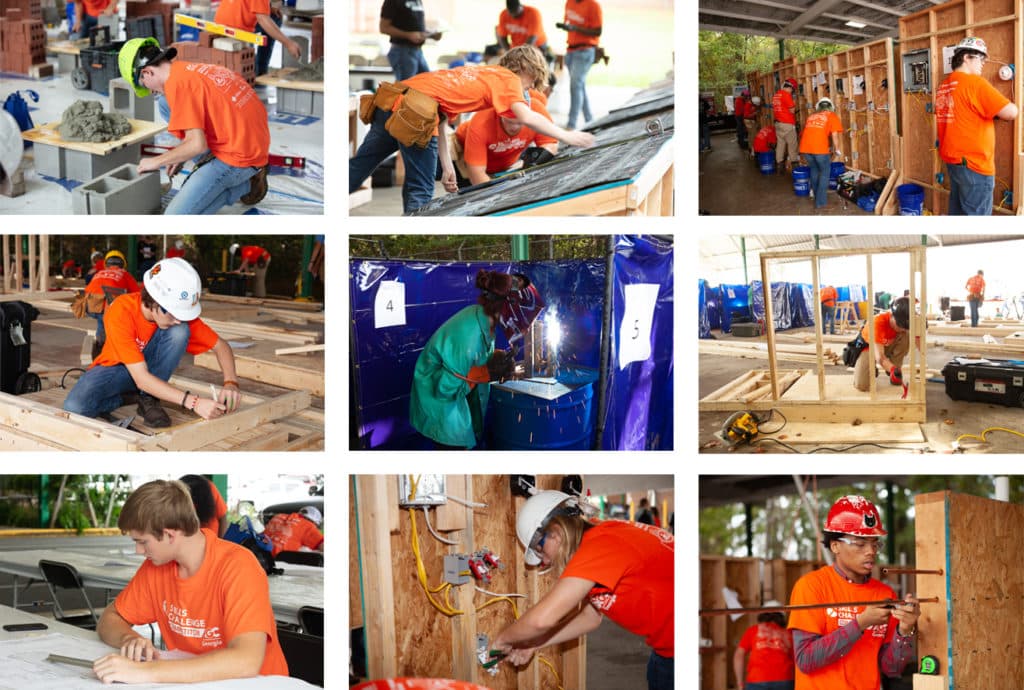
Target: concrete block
{"x": 49, "y": 160}
{"x": 231, "y": 45}
{"x": 122, "y": 191}
{"x": 80, "y": 165}
{"x": 318, "y": 104}
{"x": 122, "y": 99}
{"x": 297, "y": 101}
{"x": 66, "y": 63}
{"x": 286, "y": 58}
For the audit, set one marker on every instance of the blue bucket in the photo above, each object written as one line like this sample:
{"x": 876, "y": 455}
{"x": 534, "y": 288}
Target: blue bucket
{"x": 833, "y": 176}
{"x": 766, "y": 162}
{"x": 802, "y": 180}
{"x": 518, "y": 421}
{"x": 911, "y": 198}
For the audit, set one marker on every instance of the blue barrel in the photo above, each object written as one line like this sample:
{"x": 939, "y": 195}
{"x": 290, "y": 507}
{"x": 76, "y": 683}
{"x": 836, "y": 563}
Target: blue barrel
{"x": 517, "y": 421}
{"x": 911, "y": 198}
{"x": 766, "y": 162}
{"x": 802, "y": 180}
{"x": 833, "y": 177}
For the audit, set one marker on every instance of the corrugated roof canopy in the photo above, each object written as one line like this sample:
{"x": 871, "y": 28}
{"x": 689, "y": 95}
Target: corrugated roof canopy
{"x": 809, "y": 20}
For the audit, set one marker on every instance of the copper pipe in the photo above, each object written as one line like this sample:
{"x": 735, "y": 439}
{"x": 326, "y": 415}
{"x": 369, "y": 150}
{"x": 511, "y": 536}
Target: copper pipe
{"x": 889, "y": 603}
{"x": 912, "y": 571}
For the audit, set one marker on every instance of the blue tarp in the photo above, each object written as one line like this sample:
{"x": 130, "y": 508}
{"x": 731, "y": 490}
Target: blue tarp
{"x": 383, "y": 359}
{"x": 714, "y": 300}
{"x": 801, "y": 304}
{"x": 735, "y": 302}
{"x": 639, "y": 408}
{"x": 781, "y": 312}
{"x": 703, "y": 320}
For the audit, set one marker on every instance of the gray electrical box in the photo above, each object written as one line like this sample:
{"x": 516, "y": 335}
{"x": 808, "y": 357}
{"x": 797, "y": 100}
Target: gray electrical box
{"x": 917, "y": 71}
{"x": 430, "y": 490}
{"x": 455, "y": 564}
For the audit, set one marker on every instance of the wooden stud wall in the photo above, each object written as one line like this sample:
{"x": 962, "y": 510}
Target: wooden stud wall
{"x": 810, "y": 93}
{"x": 423, "y": 642}
{"x": 975, "y": 630}
{"x": 998, "y": 22}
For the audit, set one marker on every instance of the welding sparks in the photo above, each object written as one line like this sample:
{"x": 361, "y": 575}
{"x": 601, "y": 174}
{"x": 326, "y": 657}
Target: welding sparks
{"x": 552, "y": 330}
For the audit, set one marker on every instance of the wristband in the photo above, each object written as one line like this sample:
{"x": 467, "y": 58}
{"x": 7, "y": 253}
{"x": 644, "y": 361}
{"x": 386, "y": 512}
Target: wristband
{"x": 230, "y": 383}
{"x": 184, "y": 399}
{"x": 195, "y": 401}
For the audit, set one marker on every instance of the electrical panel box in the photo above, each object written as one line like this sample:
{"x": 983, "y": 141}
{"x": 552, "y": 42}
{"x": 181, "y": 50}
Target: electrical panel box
{"x": 430, "y": 490}
{"x": 917, "y": 71}
{"x": 455, "y": 565}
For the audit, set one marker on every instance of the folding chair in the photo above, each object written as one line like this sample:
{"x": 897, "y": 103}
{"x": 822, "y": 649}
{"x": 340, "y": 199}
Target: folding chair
{"x": 63, "y": 576}
{"x": 304, "y": 654}
{"x": 311, "y": 620}
{"x": 301, "y": 558}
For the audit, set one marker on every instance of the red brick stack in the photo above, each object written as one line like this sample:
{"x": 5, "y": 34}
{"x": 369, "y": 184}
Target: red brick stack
{"x": 164, "y": 9}
{"x": 22, "y": 42}
{"x": 316, "y": 48}
{"x": 32, "y": 9}
{"x": 242, "y": 61}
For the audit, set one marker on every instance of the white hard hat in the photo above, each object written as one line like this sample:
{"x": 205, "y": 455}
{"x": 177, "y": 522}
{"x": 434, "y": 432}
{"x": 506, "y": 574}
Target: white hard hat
{"x": 180, "y": 244}
{"x": 233, "y": 248}
{"x": 176, "y": 287}
{"x": 535, "y": 515}
{"x": 312, "y": 514}
{"x": 11, "y": 148}
{"x": 972, "y": 43}
{"x": 826, "y": 100}
{"x": 756, "y": 100}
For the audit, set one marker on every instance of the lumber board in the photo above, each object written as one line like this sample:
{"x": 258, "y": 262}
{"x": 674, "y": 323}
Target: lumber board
{"x": 292, "y": 316}
{"x": 23, "y": 414}
{"x": 995, "y": 331}
{"x": 1005, "y": 349}
{"x": 877, "y": 432}
{"x": 300, "y": 350}
{"x": 278, "y": 78}
{"x": 745, "y": 383}
{"x": 714, "y": 662}
{"x": 258, "y": 332}
{"x": 13, "y": 439}
{"x": 355, "y": 602}
{"x": 377, "y": 567}
{"x": 49, "y": 134}
{"x": 275, "y": 373}
{"x": 300, "y": 305}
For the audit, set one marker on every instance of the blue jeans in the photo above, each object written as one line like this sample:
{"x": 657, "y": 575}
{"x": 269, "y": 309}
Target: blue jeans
{"x": 660, "y": 672}
{"x": 407, "y": 61}
{"x": 211, "y": 187}
{"x": 101, "y": 335}
{"x": 771, "y": 685}
{"x": 87, "y": 23}
{"x": 578, "y": 63}
{"x": 828, "y": 317}
{"x": 821, "y": 168}
{"x": 263, "y": 53}
{"x": 420, "y": 164}
{"x": 975, "y": 304}
{"x": 970, "y": 193}
{"x": 99, "y": 389}
{"x": 705, "y": 136}
{"x": 741, "y": 132}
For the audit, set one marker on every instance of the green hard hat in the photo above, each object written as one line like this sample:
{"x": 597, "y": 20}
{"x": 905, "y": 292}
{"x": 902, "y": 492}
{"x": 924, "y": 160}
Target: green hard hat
{"x": 138, "y": 53}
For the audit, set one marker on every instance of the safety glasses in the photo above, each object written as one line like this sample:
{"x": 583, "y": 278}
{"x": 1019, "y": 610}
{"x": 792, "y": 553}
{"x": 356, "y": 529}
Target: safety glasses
{"x": 862, "y": 544}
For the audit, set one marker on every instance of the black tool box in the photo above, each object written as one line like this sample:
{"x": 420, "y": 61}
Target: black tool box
{"x": 98, "y": 63}
{"x": 999, "y": 381}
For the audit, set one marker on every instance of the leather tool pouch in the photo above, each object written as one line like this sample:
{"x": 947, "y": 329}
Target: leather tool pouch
{"x": 415, "y": 120}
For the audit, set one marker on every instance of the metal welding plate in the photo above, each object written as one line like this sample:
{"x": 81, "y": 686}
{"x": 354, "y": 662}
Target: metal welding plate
{"x": 430, "y": 490}
{"x": 536, "y": 388}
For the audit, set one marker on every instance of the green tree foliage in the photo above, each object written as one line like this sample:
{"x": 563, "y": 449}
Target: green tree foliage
{"x": 474, "y": 247}
{"x": 87, "y": 500}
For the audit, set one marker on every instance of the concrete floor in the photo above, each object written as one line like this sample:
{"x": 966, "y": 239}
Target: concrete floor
{"x": 966, "y": 417}
{"x": 728, "y": 175}
{"x": 616, "y": 659}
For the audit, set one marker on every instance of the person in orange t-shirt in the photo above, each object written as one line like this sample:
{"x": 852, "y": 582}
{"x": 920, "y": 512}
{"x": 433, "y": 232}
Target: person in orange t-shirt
{"x": 293, "y": 531}
{"x": 613, "y": 568}
{"x": 770, "y": 646}
{"x": 147, "y": 334}
{"x": 213, "y": 110}
{"x": 821, "y": 129}
{"x": 461, "y": 90}
{"x": 765, "y": 140}
{"x": 828, "y": 297}
{"x": 784, "y": 112}
{"x": 892, "y": 343}
{"x": 520, "y": 24}
{"x": 209, "y": 597}
{"x": 90, "y": 13}
{"x": 583, "y": 22}
{"x": 848, "y": 647}
{"x": 209, "y": 504}
{"x": 975, "y": 294}
{"x": 250, "y": 15}
{"x": 490, "y": 144}
{"x": 106, "y": 285}
{"x": 965, "y": 104}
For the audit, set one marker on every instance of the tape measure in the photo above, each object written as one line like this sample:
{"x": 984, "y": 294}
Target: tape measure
{"x": 930, "y": 666}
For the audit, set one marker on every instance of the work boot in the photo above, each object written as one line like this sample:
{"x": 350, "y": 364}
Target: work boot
{"x": 151, "y": 411}
{"x": 257, "y": 187}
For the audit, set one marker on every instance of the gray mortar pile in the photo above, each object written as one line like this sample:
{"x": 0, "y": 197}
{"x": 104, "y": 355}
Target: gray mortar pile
{"x": 314, "y": 71}
{"x": 86, "y": 121}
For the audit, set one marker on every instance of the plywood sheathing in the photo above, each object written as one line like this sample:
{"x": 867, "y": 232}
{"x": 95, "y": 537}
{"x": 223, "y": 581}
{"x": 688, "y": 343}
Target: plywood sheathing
{"x": 975, "y": 630}
{"x": 998, "y": 22}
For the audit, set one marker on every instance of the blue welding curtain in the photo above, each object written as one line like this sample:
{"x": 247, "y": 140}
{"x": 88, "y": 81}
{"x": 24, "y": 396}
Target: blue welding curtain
{"x": 639, "y": 404}
{"x": 703, "y": 319}
{"x": 781, "y": 313}
{"x": 735, "y": 303}
{"x": 714, "y": 300}
{"x": 383, "y": 360}
{"x": 801, "y": 304}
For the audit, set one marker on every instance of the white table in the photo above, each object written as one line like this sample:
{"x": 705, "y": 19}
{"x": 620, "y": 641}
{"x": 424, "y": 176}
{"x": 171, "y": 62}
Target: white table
{"x": 23, "y": 654}
{"x": 299, "y": 586}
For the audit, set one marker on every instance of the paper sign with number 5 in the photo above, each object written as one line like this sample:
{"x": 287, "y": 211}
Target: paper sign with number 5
{"x": 637, "y": 319}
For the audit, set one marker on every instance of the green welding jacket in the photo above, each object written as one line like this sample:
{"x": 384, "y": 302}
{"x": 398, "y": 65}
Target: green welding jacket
{"x": 442, "y": 406}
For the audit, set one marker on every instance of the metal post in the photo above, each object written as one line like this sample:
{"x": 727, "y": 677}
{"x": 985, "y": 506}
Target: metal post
{"x": 44, "y": 501}
{"x": 748, "y": 511}
{"x": 743, "y": 251}
{"x": 782, "y": 50}
{"x": 890, "y": 511}
{"x": 133, "y": 254}
{"x": 520, "y": 247}
{"x": 306, "y": 283}
{"x": 606, "y": 343}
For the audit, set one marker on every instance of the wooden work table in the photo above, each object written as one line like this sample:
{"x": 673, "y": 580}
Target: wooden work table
{"x": 84, "y": 160}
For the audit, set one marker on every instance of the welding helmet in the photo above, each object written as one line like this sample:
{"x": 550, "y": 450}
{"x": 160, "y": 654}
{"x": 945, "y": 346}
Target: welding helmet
{"x": 534, "y": 516}
{"x": 901, "y": 312}
{"x": 855, "y": 515}
{"x": 137, "y": 54}
{"x": 312, "y": 514}
{"x": 972, "y": 43}
{"x": 522, "y": 306}
{"x": 115, "y": 258}
{"x": 176, "y": 287}
{"x": 790, "y": 82}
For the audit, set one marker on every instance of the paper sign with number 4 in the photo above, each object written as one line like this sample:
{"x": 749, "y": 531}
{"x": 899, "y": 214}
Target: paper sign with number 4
{"x": 637, "y": 318}
{"x": 389, "y": 305}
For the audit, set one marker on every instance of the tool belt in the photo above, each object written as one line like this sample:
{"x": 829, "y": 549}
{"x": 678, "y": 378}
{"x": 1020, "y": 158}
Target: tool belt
{"x": 412, "y": 123}
{"x": 853, "y": 349}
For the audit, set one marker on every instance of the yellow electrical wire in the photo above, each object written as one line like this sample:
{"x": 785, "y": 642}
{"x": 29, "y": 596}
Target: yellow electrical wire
{"x": 558, "y": 679}
{"x": 982, "y": 439}
{"x": 515, "y": 609}
{"x": 421, "y": 572}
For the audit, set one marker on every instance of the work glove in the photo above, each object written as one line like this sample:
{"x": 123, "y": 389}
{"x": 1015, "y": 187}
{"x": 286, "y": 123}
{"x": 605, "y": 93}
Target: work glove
{"x": 896, "y": 376}
{"x": 501, "y": 365}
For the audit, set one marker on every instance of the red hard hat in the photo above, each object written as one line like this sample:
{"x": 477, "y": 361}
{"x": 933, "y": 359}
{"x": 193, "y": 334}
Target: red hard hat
{"x": 792, "y": 83}
{"x": 855, "y": 515}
